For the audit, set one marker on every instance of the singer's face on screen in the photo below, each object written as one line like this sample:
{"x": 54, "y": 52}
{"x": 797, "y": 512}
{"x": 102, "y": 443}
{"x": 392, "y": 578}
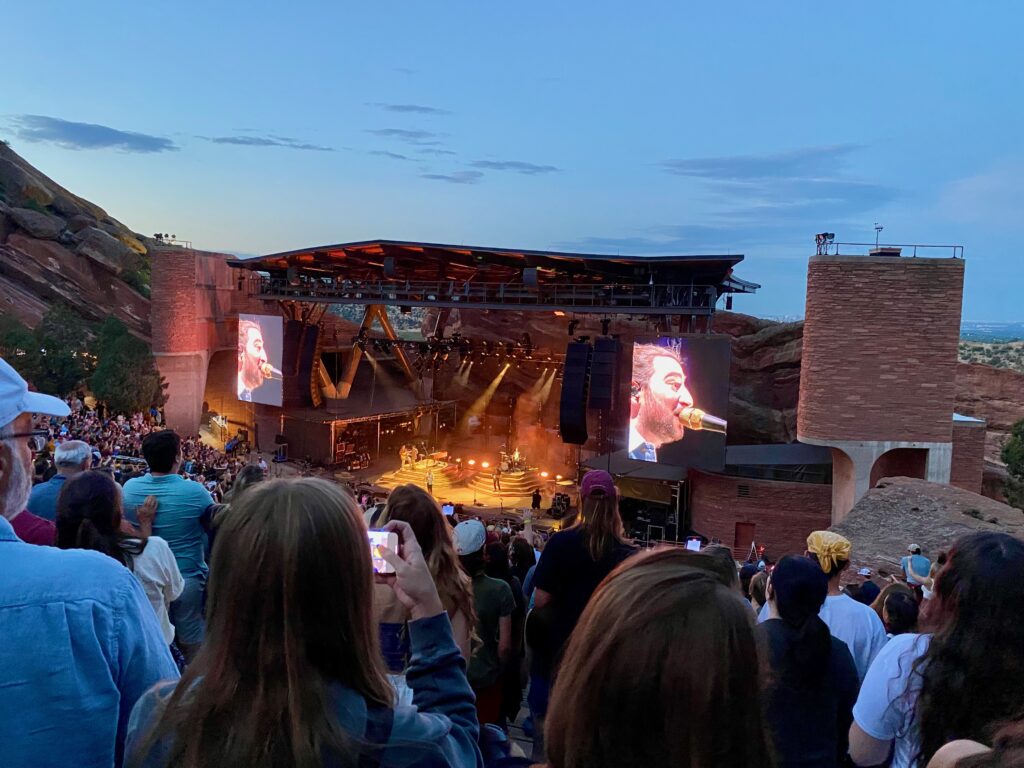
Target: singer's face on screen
{"x": 253, "y": 356}
{"x": 660, "y": 398}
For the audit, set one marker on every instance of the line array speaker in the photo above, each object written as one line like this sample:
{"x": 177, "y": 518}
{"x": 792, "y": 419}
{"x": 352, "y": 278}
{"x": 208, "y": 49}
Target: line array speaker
{"x": 572, "y": 411}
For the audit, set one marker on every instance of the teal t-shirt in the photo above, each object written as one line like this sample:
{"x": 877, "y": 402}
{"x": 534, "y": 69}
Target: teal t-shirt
{"x": 181, "y": 504}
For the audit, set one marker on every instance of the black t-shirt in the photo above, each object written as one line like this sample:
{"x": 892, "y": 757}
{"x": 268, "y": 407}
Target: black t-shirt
{"x": 809, "y": 725}
{"x": 570, "y": 575}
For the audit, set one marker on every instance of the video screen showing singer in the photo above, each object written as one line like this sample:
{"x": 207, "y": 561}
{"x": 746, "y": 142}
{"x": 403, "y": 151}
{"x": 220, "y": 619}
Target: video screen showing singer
{"x": 259, "y": 380}
{"x": 661, "y": 405}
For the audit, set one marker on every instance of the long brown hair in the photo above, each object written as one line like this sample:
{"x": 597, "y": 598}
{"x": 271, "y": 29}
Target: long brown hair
{"x": 662, "y": 670}
{"x": 289, "y": 612}
{"x": 418, "y": 508}
{"x": 973, "y": 671}
{"x": 601, "y": 524}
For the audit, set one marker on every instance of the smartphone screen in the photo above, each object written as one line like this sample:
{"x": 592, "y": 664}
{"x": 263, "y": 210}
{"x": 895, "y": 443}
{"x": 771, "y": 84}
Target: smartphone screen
{"x": 693, "y": 544}
{"x": 448, "y": 509}
{"x": 378, "y": 541}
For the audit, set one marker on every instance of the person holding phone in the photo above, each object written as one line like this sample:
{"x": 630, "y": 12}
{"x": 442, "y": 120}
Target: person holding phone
{"x": 290, "y": 672}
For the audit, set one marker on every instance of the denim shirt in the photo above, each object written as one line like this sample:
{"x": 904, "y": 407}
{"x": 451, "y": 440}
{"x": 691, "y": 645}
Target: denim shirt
{"x": 79, "y": 644}
{"x": 440, "y": 730}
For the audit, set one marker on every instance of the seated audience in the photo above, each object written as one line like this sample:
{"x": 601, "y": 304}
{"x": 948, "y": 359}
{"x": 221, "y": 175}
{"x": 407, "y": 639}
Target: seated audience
{"x": 662, "y": 670}
{"x": 812, "y": 681}
{"x": 962, "y": 680}
{"x": 79, "y": 643}
{"x": 89, "y": 517}
{"x": 290, "y": 672}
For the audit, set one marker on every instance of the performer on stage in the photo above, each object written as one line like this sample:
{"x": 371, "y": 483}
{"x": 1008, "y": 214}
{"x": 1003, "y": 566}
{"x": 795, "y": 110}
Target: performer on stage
{"x": 658, "y": 392}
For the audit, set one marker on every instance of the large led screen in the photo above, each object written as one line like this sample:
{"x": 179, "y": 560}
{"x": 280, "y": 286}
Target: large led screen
{"x": 259, "y": 359}
{"x": 678, "y": 397}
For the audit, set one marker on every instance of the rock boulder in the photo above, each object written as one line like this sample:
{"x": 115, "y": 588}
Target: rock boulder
{"x": 36, "y": 224}
{"x": 105, "y": 249}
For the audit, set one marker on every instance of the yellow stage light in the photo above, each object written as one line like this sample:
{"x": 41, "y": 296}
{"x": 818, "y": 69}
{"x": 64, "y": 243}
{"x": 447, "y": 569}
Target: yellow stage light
{"x": 472, "y": 462}
{"x": 558, "y": 477}
{"x": 543, "y": 474}
{"x": 484, "y": 464}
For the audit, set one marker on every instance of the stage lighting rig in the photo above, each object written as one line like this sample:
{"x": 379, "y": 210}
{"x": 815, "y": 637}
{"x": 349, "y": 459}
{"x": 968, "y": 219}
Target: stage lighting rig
{"x": 823, "y": 240}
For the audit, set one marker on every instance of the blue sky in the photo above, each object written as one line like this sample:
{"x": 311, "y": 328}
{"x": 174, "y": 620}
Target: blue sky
{"x": 608, "y": 127}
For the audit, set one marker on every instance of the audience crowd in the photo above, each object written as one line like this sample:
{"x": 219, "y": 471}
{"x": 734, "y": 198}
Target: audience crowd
{"x": 157, "y": 625}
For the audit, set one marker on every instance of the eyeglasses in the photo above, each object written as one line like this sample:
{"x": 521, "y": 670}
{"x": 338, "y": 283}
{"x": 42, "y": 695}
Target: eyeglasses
{"x": 37, "y": 439}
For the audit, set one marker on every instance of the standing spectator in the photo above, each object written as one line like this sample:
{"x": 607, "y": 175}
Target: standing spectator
{"x": 574, "y": 562}
{"x": 758, "y": 590}
{"x": 869, "y": 591}
{"x": 185, "y": 509}
{"x": 79, "y": 641}
{"x": 852, "y": 622}
{"x": 813, "y": 684}
{"x": 494, "y": 604}
{"x": 878, "y": 606}
{"x": 917, "y": 562}
{"x": 962, "y": 681}
{"x": 899, "y": 614}
{"x": 290, "y": 673}
{"x": 71, "y": 457}
{"x": 497, "y": 567}
{"x": 89, "y": 517}
{"x": 522, "y": 558}
{"x": 661, "y": 671}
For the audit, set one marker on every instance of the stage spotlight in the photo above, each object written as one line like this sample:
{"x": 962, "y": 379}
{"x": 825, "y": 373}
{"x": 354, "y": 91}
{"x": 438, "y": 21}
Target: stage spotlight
{"x": 472, "y": 462}
{"x": 543, "y": 474}
{"x": 558, "y": 477}
{"x": 484, "y": 464}
{"x": 559, "y": 313}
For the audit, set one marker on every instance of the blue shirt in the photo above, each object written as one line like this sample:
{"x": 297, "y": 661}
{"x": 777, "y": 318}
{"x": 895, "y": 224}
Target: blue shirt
{"x": 79, "y": 644}
{"x": 438, "y": 731}
{"x": 922, "y": 565}
{"x": 43, "y": 500}
{"x": 182, "y": 504}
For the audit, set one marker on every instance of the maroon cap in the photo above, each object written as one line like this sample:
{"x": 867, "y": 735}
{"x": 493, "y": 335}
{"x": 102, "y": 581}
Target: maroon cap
{"x": 597, "y": 479}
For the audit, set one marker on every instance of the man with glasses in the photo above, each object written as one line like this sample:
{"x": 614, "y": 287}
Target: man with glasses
{"x": 28, "y": 527}
{"x": 79, "y": 637}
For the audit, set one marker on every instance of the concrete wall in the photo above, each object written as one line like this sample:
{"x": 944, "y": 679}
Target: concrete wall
{"x": 880, "y": 349}
{"x": 784, "y": 513}
{"x": 968, "y": 456}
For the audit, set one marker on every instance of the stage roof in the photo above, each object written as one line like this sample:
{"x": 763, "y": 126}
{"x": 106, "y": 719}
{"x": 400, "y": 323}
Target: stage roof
{"x": 374, "y": 260}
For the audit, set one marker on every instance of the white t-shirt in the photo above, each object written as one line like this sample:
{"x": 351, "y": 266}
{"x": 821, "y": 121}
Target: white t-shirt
{"x": 888, "y": 696}
{"x": 855, "y": 624}
{"x": 157, "y": 571}
{"x": 858, "y": 626}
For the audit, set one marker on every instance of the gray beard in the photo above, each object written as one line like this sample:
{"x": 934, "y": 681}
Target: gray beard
{"x": 14, "y": 501}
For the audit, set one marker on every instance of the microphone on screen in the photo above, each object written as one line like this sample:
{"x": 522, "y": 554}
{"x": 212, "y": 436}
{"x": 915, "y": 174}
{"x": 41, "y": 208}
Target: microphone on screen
{"x": 270, "y": 372}
{"x": 695, "y": 418}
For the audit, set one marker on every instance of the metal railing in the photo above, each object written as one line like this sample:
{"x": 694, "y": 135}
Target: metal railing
{"x": 635, "y": 299}
{"x": 929, "y": 251}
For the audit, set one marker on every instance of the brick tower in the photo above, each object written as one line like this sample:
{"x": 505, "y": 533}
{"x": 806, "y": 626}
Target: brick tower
{"x": 878, "y": 372}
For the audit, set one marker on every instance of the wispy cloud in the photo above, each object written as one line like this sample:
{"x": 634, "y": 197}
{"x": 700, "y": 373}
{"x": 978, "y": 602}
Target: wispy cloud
{"x": 410, "y": 109}
{"x": 72, "y": 135}
{"x": 759, "y": 201}
{"x": 438, "y": 152}
{"x": 804, "y": 162}
{"x": 416, "y": 136}
{"x": 267, "y": 141}
{"x": 456, "y": 177}
{"x": 530, "y": 169}
{"x": 392, "y": 155}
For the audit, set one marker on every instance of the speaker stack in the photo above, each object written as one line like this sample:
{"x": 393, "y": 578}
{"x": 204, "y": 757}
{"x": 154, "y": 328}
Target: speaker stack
{"x": 572, "y": 411}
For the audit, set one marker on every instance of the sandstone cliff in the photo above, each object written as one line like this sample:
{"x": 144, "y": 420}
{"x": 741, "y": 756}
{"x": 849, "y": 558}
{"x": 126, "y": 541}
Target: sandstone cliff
{"x": 55, "y": 246}
{"x": 901, "y": 511}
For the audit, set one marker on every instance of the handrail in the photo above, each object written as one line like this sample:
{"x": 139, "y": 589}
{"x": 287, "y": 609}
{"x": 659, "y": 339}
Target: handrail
{"x": 832, "y": 248}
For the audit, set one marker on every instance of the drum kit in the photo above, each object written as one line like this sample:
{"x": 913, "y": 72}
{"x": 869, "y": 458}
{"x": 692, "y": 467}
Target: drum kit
{"x": 512, "y": 462}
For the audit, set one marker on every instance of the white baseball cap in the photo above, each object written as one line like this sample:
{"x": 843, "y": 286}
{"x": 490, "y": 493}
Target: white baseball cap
{"x": 470, "y": 537}
{"x": 15, "y": 399}
{"x": 864, "y": 572}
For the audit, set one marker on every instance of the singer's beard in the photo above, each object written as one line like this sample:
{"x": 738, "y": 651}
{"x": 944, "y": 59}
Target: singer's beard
{"x": 251, "y": 375}
{"x": 657, "y": 422}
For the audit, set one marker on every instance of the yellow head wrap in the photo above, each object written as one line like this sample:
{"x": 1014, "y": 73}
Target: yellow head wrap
{"x": 830, "y": 548}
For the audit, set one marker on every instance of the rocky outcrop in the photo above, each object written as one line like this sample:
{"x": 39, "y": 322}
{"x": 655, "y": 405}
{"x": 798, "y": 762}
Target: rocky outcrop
{"x": 55, "y": 246}
{"x": 901, "y": 511}
{"x": 993, "y": 394}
